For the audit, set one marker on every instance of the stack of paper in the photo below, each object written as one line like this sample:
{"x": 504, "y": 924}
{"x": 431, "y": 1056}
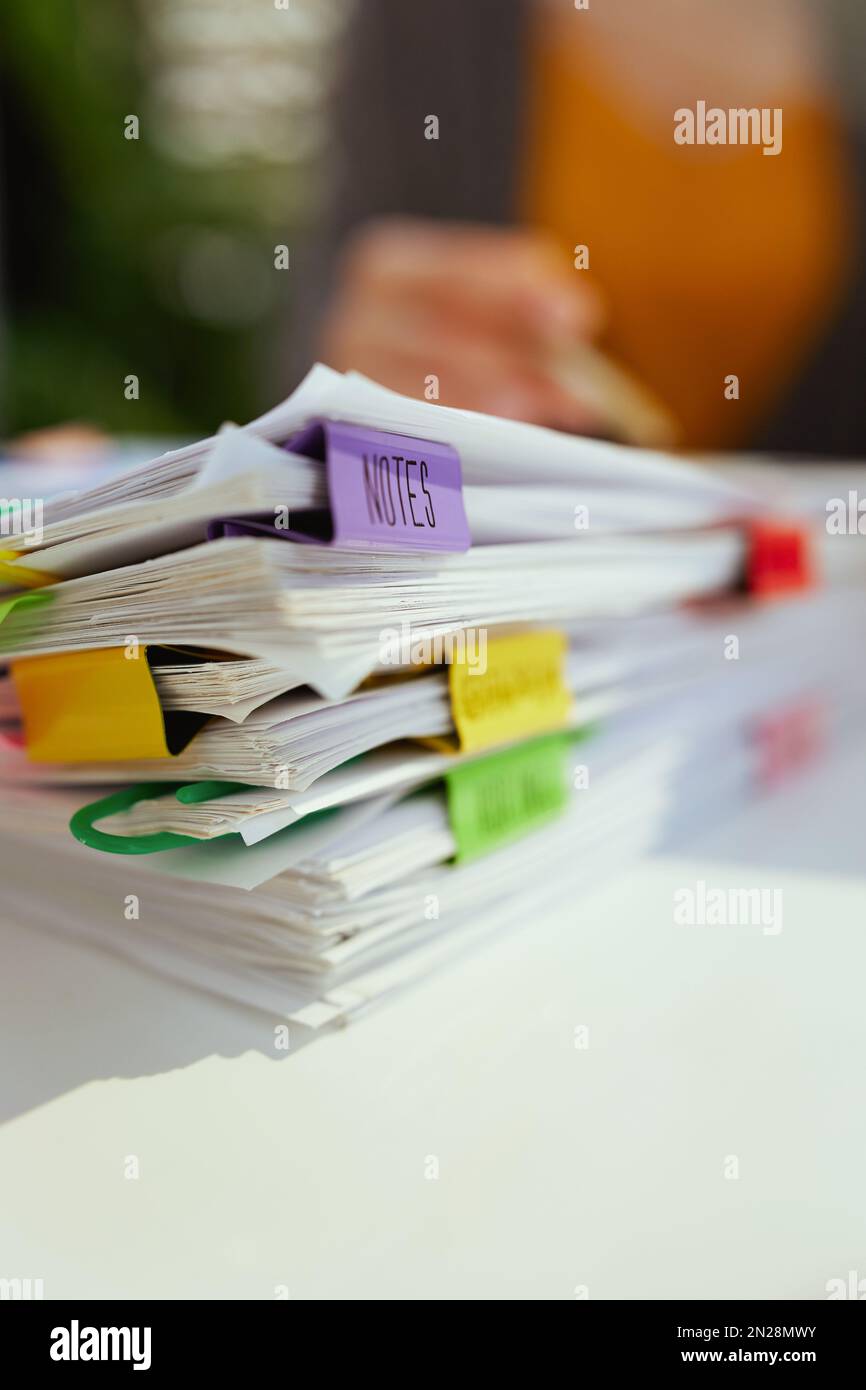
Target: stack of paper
{"x": 302, "y": 711}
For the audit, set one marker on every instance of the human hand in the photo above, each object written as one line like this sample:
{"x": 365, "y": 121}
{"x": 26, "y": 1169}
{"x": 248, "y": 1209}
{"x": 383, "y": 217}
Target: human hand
{"x": 484, "y": 310}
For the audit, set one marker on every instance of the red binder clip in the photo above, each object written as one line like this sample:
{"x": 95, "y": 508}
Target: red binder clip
{"x": 778, "y": 559}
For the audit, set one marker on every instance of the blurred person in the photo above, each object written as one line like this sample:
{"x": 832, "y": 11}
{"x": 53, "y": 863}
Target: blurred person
{"x": 479, "y": 146}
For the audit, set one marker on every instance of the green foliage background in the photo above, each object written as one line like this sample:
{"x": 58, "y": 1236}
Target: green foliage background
{"x": 103, "y": 303}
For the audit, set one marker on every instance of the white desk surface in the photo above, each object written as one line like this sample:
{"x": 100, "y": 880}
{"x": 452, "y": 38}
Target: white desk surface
{"x": 559, "y": 1167}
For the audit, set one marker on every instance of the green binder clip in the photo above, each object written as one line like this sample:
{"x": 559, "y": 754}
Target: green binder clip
{"x": 83, "y": 828}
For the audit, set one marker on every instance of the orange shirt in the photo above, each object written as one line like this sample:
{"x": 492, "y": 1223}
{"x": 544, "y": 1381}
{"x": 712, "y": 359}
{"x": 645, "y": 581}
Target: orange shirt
{"x": 712, "y": 260}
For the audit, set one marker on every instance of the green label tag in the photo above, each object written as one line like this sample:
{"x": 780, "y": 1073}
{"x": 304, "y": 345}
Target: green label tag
{"x": 33, "y": 598}
{"x": 504, "y": 796}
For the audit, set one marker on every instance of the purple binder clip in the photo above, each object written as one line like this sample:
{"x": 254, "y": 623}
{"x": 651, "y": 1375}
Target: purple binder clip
{"x": 388, "y": 491}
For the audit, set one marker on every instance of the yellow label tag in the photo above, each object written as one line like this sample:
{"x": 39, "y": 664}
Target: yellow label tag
{"x": 514, "y": 687}
{"x": 22, "y": 576}
{"x": 93, "y": 706}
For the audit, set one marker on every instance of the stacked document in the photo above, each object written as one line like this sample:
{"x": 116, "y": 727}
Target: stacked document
{"x": 303, "y": 711}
